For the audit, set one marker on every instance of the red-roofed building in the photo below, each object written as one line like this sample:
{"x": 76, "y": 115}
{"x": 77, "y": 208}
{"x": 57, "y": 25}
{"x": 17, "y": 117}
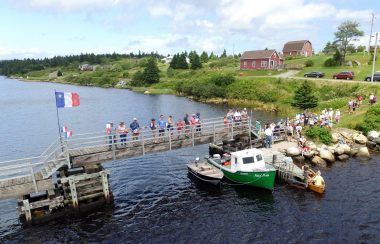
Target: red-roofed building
{"x": 261, "y": 59}
{"x": 298, "y": 48}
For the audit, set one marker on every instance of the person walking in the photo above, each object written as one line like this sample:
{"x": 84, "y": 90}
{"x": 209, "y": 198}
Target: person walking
{"x": 268, "y": 136}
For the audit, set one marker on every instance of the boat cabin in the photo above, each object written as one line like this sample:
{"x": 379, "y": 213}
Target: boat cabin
{"x": 247, "y": 160}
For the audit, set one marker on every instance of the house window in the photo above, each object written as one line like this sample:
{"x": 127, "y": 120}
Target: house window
{"x": 245, "y": 64}
{"x": 264, "y": 63}
{"x": 253, "y": 64}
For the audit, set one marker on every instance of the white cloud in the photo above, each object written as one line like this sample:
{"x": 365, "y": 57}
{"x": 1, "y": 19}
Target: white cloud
{"x": 69, "y": 5}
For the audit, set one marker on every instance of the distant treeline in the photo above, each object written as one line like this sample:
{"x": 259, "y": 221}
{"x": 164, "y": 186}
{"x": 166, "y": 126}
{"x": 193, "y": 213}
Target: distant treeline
{"x": 16, "y": 66}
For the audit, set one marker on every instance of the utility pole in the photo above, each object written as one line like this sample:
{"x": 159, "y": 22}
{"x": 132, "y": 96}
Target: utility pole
{"x": 374, "y": 57}
{"x": 370, "y": 34}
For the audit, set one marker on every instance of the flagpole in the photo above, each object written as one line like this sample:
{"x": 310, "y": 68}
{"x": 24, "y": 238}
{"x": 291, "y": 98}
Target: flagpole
{"x": 59, "y": 124}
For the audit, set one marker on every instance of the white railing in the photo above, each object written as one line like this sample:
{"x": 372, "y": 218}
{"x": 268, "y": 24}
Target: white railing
{"x": 60, "y": 149}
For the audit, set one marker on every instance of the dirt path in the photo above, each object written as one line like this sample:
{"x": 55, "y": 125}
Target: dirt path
{"x": 287, "y": 74}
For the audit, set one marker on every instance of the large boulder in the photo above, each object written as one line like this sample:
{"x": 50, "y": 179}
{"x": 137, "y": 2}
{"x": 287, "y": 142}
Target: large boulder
{"x": 346, "y": 135}
{"x": 293, "y": 151}
{"x": 371, "y": 145}
{"x": 347, "y": 148}
{"x": 299, "y": 159}
{"x": 335, "y": 137}
{"x": 311, "y": 145}
{"x": 309, "y": 154}
{"x": 359, "y": 138}
{"x": 354, "y": 151}
{"x": 319, "y": 161}
{"x": 363, "y": 153}
{"x": 372, "y": 135}
{"x": 327, "y": 155}
{"x": 339, "y": 150}
{"x": 376, "y": 140}
{"x": 343, "y": 157}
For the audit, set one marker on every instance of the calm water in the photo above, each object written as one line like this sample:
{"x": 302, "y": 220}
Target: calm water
{"x": 155, "y": 201}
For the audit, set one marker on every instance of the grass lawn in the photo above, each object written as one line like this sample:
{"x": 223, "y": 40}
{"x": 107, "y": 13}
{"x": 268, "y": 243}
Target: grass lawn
{"x": 360, "y": 71}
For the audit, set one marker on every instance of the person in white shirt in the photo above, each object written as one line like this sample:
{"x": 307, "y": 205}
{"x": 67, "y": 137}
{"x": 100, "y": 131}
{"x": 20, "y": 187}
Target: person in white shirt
{"x": 268, "y": 136}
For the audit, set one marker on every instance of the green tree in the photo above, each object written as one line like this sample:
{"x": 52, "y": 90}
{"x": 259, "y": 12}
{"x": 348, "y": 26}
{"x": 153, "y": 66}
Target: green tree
{"x": 224, "y": 54}
{"x": 329, "y": 48}
{"x": 182, "y": 62}
{"x": 347, "y": 32}
{"x": 138, "y": 79}
{"x": 304, "y": 97}
{"x": 195, "y": 61}
{"x": 204, "y": 57}
{"x": 174, "y": 62}
{"x": 59, "y": 73}
{"x": 151, "y": 72}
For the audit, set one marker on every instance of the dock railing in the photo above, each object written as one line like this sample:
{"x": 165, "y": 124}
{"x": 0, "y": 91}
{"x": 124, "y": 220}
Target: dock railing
{"x": 62, "y": 150}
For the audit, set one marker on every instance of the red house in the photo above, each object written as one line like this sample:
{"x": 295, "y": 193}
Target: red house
{"x": 261, "y": 59}
{"x": 298, "y": 48}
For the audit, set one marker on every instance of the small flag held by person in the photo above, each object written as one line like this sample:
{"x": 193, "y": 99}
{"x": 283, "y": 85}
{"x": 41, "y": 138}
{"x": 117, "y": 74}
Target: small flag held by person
{"x": 66, "y": 99}
{"x": 65, "y": 131}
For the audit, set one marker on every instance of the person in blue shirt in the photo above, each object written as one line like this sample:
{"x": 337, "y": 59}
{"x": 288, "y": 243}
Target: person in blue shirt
{"x": 162, "y": 124}
{"x": 135, "y": 128}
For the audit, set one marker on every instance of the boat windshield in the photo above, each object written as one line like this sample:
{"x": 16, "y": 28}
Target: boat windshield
{"x": 248, "y": 160}
{"x": 259, "y": 157}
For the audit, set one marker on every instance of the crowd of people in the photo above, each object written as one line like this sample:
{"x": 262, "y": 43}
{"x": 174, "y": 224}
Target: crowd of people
{"x": 158, "y": 128}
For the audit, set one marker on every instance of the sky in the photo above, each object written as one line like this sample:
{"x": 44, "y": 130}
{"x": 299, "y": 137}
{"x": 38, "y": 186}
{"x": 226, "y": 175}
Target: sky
{"x": 45, "y": 28}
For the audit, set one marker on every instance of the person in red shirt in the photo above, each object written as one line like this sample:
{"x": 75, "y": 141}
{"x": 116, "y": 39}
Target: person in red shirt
{"x": 179, "y": 124}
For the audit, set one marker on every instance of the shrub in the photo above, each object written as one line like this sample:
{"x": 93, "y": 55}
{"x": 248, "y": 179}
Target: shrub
{"x": 138, "y": 79}
{"x": 371, "y": 120}
{"x": 321, "y": 134}
{"x": 309, "y": 63}
{"x": 330, "y": 62}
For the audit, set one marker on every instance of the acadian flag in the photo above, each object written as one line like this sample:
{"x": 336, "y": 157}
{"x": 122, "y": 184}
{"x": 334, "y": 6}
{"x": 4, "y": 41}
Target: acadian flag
{"x": 66, "y": 132}
{"x": 66, "y": 99}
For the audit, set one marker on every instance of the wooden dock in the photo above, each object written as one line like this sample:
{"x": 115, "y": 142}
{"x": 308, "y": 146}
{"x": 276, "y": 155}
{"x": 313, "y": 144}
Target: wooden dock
{"x": 23, "y": 176}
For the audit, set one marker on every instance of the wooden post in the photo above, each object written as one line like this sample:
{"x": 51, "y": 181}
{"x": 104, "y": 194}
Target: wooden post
{"x": 213, "y": 127}
{"x": 74, "y": 195}
{"x": 113, "y": 147}
{"x": 232, "y": 129}
{"x": 249, "y": 132}
{"x": 192, "y": 134}
{"x": 274, "y": 158}
{"x": 170, "y": 139}
{"x": 143, "y": 143}
{"x": 28, "y": 213}
{"x": 106, "y": 189}
{"x": 67, "y": 154}
{"x": 33, "y": 177}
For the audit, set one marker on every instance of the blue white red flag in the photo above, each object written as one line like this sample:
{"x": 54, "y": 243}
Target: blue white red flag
{"x": 66, "y": 99}
{"x": 66, "y": 132}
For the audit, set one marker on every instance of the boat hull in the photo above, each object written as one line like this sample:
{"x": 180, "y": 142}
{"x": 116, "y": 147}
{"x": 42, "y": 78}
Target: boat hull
{"x": 261, "y": 179}
{"x": 257, "y": 179}
{"x": 204, "y": 178}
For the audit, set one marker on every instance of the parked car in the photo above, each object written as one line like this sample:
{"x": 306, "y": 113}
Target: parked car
{"x": 315, "y": 74}
{"x": 348, "y": 75}
{"x": 376, "y": 76}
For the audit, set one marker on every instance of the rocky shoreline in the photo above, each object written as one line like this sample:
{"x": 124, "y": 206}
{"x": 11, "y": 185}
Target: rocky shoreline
{"x": 346, "y": 143}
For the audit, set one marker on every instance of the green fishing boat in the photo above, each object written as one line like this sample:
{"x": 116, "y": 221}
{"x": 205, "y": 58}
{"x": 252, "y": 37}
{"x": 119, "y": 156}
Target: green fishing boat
{"x": 246, "y": 167}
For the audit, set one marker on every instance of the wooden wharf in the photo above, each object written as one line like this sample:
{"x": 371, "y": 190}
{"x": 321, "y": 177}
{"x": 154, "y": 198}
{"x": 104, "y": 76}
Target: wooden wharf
{"x": 63, "y": 175}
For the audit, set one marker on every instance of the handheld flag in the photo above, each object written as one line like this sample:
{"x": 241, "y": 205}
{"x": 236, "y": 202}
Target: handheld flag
{"x": 66, "y": 132}
{"x": 66, "y": 99}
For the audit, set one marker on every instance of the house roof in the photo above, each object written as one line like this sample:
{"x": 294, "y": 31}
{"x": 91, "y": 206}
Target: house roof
{"x": 294, "y": 45}
{"x": 258, "y": 54}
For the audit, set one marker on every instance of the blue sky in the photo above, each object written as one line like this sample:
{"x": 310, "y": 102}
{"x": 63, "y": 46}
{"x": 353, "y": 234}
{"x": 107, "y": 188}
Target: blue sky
{"x": 44, "y": 28}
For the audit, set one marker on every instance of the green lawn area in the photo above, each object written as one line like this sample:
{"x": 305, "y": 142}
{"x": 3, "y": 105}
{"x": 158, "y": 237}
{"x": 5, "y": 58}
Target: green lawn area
{"x": 360, "y": 71}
